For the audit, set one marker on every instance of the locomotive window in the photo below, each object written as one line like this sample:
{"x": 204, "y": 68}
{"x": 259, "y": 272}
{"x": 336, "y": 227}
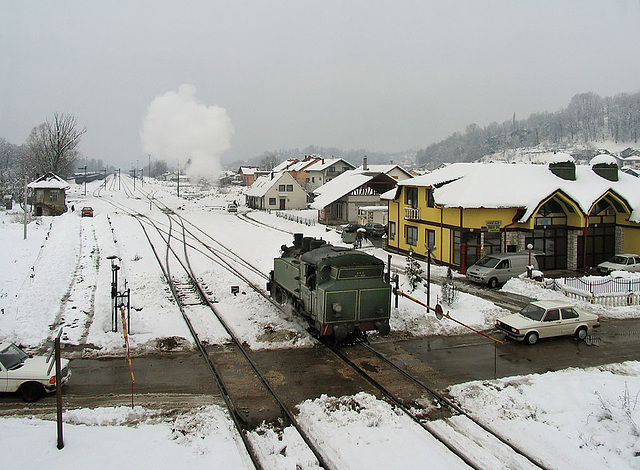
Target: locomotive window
{"x": 367, "y": 272}
{"x": 310, "y": 279}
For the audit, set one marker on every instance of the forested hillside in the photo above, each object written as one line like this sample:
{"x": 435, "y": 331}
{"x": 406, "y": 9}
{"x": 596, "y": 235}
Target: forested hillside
{"x": 587, "y": 118}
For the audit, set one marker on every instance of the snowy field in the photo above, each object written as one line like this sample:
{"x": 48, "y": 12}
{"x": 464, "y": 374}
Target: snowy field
{"x": 59, "y": 277}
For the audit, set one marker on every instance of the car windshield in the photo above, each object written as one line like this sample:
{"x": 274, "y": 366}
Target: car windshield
{"x": 488, "y": 262}
{"x": 533, "y": 312}
{"x": 618, "y": 260}
{"x": 12, "y": 357}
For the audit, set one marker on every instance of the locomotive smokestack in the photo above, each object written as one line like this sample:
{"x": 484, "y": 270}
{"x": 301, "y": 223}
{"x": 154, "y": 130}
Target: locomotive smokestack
{"x": 297, "y": 239}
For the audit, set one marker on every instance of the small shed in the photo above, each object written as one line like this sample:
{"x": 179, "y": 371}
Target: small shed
{"x": 49, "y": 195}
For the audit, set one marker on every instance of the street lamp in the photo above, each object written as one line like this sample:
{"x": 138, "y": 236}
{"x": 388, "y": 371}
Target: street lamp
{"x": 529, "y": 247}
{"x": 430, "y": 250}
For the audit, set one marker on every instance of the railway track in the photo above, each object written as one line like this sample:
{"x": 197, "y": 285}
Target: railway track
{"x": 451, "y": 427}
{"x": 188, "y": 292}
{"x": 455, "y": 427}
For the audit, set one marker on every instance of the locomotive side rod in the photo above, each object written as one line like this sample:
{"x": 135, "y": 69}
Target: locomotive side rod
{"x": 440, "y": 313}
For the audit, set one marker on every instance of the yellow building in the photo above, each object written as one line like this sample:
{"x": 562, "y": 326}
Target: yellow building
{"x": 577, "y": 215}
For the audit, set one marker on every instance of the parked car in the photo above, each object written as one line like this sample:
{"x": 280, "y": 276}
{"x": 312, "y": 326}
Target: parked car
{"x": 232, "y": 207}
{"x": 498, "y": 268}
{"x": 375, "y": 230}
{"x": 623, "y": 262}
{"x": 30, "y": 376}
{"x": 547, "y": 318}
{"x": 87, "y": 211}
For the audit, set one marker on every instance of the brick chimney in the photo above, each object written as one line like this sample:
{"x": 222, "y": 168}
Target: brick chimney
{"x": 364, "y": 163}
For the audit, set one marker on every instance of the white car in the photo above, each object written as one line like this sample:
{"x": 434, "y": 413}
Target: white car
{"x": 29, "y": 376}
{"x": 547, "y": 318}
{"x": 623, "y": 262}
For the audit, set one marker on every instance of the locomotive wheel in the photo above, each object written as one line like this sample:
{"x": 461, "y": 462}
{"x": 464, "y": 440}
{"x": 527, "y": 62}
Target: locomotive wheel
{"x": 280, "y": 295}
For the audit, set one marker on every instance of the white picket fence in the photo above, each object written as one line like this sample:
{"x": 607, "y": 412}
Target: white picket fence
{"x": 611, "y": 292}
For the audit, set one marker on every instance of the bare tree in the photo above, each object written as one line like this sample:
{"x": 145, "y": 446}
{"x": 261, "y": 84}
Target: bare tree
{"x": 269, "y": 161}
{"x": 52, "y": 146}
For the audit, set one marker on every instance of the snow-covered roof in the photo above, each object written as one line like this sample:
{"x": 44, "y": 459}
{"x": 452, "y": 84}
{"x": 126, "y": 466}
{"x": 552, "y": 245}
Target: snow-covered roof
{"x": 338, "y": 187}
{"x": 386, "y": 169}
{"x": 501, "y": 185}
{"x": 323, "y": 163}
{"x": 285, "y": 164}
{"x": 561, "y": 157}
{"x": 603, "y": 158}
{"x": 248, "y": 170}
{"x": 301, "y": 165}
{"x": 264, "y": 183}
{"x": 49, "y": 181}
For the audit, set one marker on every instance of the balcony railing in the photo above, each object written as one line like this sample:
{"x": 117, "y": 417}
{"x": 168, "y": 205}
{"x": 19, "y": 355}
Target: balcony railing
{"x": 411, "y": 214}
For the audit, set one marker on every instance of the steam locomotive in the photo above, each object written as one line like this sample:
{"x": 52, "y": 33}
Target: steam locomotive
{"x": 341, "y": 291}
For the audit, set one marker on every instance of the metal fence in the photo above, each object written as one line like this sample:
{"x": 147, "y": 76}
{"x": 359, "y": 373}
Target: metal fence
{"x": 612, "y": 292}
{"x": 296, "y": 218}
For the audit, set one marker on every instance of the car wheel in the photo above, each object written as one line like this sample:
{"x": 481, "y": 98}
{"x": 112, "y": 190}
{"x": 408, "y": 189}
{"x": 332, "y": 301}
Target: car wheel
{"x": 31, "y": 391}
{"x": 531, "y": 338}
{"x": 493, "y": 282}
{"x": 581, "y": 333}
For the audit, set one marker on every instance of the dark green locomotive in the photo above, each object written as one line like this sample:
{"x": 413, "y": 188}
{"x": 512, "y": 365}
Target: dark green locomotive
{"x": 340, "y": 290}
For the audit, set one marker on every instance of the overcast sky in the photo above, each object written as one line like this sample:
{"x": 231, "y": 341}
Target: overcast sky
{"x": 375, "y": 75}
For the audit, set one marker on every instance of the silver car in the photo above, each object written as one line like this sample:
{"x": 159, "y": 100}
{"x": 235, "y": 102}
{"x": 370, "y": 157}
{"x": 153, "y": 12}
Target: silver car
{"x": 545, "y": 319}
{"x": 623, "y": 262}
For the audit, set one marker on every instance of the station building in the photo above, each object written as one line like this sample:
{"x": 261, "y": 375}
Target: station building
{"x": 576, "y": 215}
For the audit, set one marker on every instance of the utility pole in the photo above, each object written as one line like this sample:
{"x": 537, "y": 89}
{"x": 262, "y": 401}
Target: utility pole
{"x": 85, "y": 177}
{"x": 26, "y": 178}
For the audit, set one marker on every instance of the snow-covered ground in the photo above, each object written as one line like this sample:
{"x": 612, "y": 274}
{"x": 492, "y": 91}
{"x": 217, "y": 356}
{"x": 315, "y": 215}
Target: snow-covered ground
{"x": 60, "y": 277}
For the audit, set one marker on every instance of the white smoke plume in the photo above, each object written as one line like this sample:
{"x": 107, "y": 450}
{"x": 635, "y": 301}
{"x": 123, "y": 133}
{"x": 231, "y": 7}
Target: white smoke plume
{"x": 178, "y": 128}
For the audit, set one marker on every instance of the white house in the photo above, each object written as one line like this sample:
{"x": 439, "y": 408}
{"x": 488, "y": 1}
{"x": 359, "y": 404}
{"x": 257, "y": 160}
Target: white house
{"x": 277, "y": 191}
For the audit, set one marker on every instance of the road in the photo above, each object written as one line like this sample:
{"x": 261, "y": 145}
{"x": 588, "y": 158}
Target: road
{"x": 178, "y": 381}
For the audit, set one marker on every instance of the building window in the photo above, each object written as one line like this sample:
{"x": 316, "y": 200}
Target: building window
{"x": 411, "y": 197}
{"x": 331, "y": 169}
{"x": 412, "y": 235}
{"x": 272, "y": 201}
{"x": 392, "y": 230}
{"x": 281, "y": 187}
{"x": 430, "y": 201}
{"x": 54, "y": 195}
{"x": 339, "y": 211}
{"x": 290, "y": 188}
{"x": 430, "y": 236}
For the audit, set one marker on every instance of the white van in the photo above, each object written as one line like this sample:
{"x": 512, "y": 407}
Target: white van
{"x": 498, "y": 268}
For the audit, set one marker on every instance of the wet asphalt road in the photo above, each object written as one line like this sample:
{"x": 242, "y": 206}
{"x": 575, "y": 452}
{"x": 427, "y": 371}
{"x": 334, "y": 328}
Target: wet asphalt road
{"x": 176, "y": 381}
